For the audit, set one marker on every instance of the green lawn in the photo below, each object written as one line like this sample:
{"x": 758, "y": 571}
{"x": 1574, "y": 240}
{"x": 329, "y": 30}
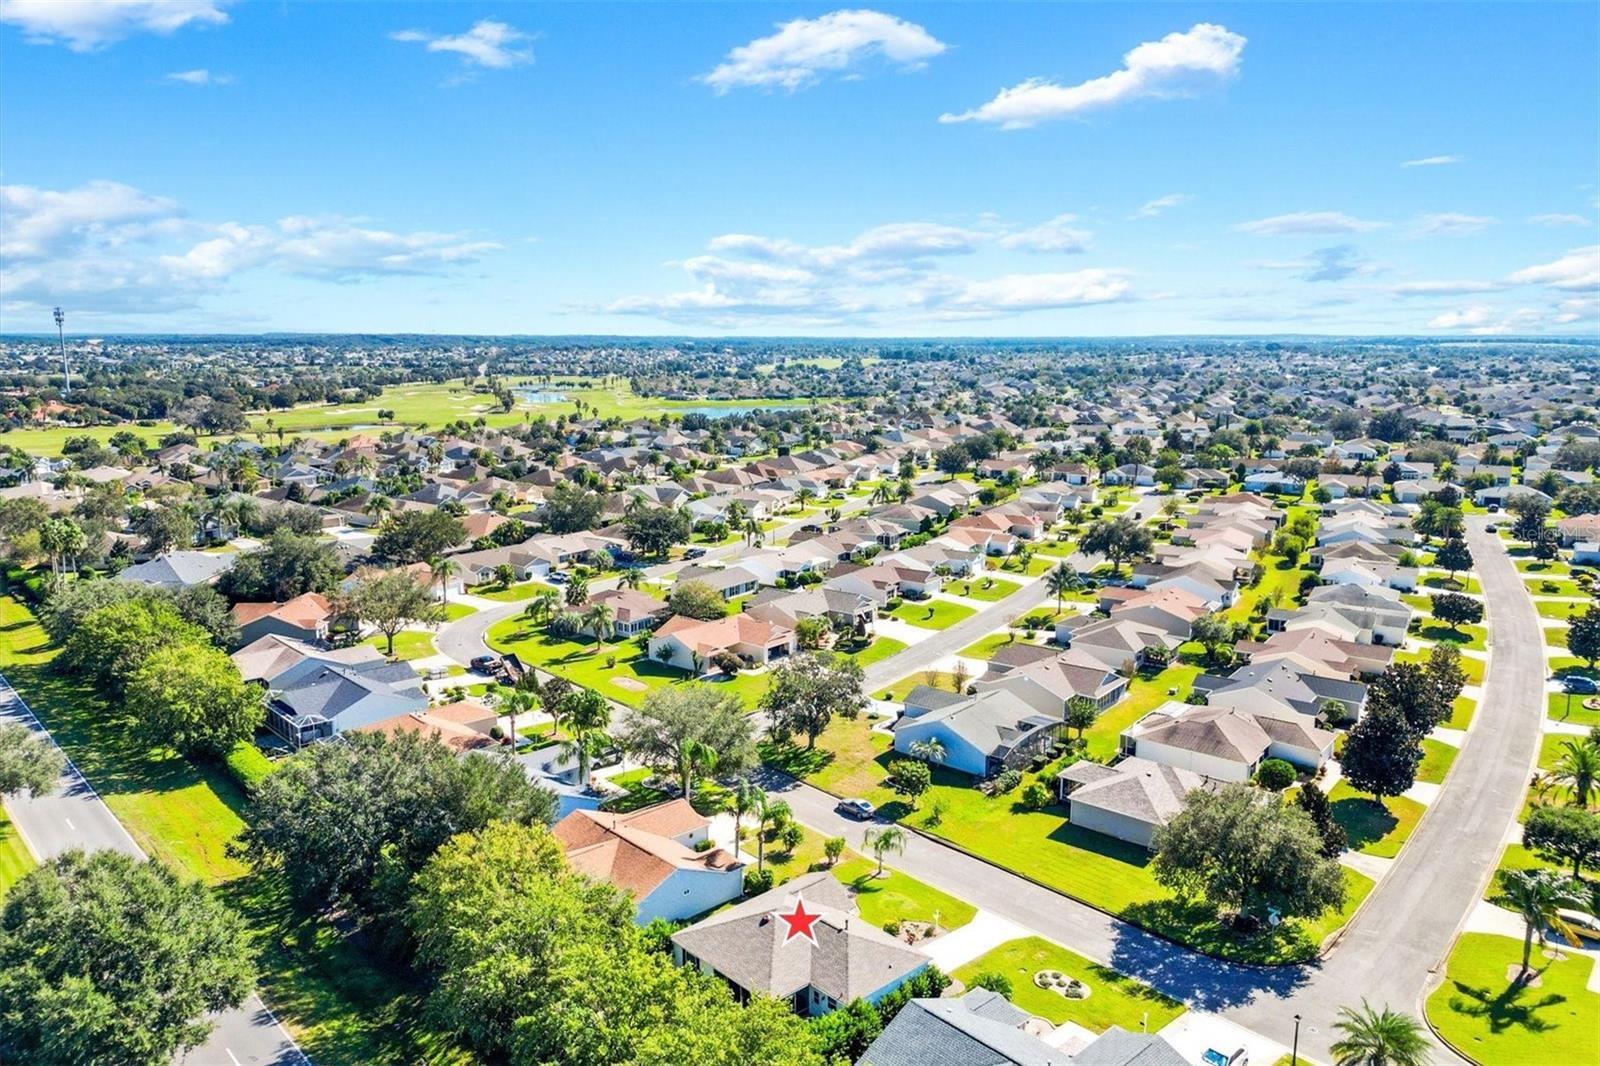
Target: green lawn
{"x": 15, "y": 859}
{"x": 1559, "y": 609}
{"x": 1481, "y": 1012}
{"x": 985, "y": 648}
{"x": 1037, "y": 565}
{"x": 1565, "y": 707}
{"x": 1472, "y": 668}
{"x": 583, "y": 662}
{"x": 1556, "y": 636}
{"x": 1549, "y": 586}
{"x": 1539, "y": 568}
{"x": 1473, "y": 637}
{"x": 1279, "y": 585}
{"x": 1374, "y": 829}
{"x": 1437, "y": 758}
{"x": 456, "y": 611}
{"x": 527, "y": 590}
{"x": 340, "y": 1004}
{"x": 1145, "y": 694}
{"x": 990, "y": 589}
{"x": 880, "y": 648}
{"x": 932, "y": 614}
{"x": 1113, "y": 999}
{"x": 414, "y": 404}
{"x": 901, "y": 897}
{"x": 937, "y": 678}
{"x": 1464, "y": 583}
{"x": 408, "y": 644}
{"x": 1462, "y": 711}
{"x": 850, "y": 760}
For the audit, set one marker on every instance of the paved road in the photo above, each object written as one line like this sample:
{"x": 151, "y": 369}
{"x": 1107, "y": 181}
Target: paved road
{"x": 1394, "y": 952}
{"x": 74, "y": 816}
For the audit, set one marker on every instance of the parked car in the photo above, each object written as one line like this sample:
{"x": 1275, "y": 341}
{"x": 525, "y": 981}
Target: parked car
{"x": 855, "y": 808}
{"x": 557, "y": 577}
{"x": 1584, "y": 924}
{"x": 1583, "y": 686}
{"x": 486, "y": 664}
{"x": 1491, "y": 528}
{"x": 694, "y": 553}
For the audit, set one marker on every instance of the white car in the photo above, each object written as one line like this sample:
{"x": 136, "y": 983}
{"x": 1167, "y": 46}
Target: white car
{"x": 1584, "y": 924}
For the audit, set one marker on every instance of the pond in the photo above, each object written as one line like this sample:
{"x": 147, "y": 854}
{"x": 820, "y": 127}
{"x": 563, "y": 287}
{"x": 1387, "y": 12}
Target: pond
{"x": 540, "y": 396}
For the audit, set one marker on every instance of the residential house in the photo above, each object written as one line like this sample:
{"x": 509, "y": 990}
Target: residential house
{"x": 1050, "y": 684}
{"x": 1225, "y": 743}
{"x": 180, "y": 569}
{"x": 1128, "y": 801}
{"x": 657, "y": 855}
{"x": 980, "y": 735}
{"x": 305, "y": 618}
{"x": 746, "y": 945}
{"x": 690, "y": 644}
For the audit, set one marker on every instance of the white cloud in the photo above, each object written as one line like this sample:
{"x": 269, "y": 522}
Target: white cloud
{"x": 85, "y": 25}
{"x": 1577, "y": 271}
{"x": 1013, "y": 293}
{"x": 44, "y": 223}
{"x": 1432, "y": 161}
{"x": 199, "y": 77}
{"x": 1449, "y": 224}
{"x": 1471, "y": 316}
{"x": 1180, "y": 64}
{"x": 1308, "y": 222}
{"x": 1578, "y": 309}
{"x": 886, "y": 273}
{"x": 1445, "y": 288}
{"x": 804, "y": 50}
{"x": 1559, "y": 220}
{"x": 111, "y": 247}
{"x": 1152, "y": 208}
{"x": 487, "y": 44}
{"x": 1335, "y": 264}
{"x": 1057, "y": 235}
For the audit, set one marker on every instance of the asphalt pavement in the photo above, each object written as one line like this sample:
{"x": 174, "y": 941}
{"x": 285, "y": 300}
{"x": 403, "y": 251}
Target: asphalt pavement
{"x": 74, "y": 816}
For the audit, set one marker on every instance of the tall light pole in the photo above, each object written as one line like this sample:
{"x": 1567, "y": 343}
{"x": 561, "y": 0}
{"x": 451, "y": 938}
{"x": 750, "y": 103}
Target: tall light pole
{"x": 1294, "y": 1053}
{"x": 61, "y": 336}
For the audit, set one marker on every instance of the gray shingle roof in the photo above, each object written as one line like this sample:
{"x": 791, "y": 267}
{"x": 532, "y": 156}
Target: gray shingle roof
{"x": 979, "y": 1029}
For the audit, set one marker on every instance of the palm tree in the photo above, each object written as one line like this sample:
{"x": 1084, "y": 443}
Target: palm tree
{"x": 588, "y": 716}
{"x": 601, "y": 620}
{"x": 882, "y": 841}
{"x": 1579, "y": 769}
{"x": 442, "y": 570}
{"x": 631, "y": 578}
{"x": 1374, "y": 1037}
{"x": 577, "y": 591}
{"x": 881, "y": 494}
{"x": 519, "y": 701}
{"x": 929, "y": 751}
{"x": 1060, "y": 581}
{"x": 377, "y": 506}
{"x": 542, "y": 607}
{"x": 742, "y": 800}
{"x": 767, "y": 811}
{"x": 1538, "y": 895}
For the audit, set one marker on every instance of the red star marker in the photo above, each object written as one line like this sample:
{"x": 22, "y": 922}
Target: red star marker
{"x": 800, "y": 921}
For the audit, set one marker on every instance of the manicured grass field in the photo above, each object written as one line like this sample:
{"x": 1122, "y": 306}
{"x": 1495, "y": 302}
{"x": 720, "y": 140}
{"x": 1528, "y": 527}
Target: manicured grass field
{"x": 408, "y": 644}
{"x": 583, "y": 662}
{"x": 1483, "y": 1013}
{"x": 932, "y": 614}
{"x": 900, "y": 897}
{"x": 1472, "y": 668}
{"x": 337, "y": 1001}
{"x": 985, "y": 648}
{"x": 1145, "y": 694}
{"x": 1465, "y": 637}
{"x": 15, "y": 859}
{"x": 1546, "y": 586}
{"x": 1562, "y": 609}
{"x": 937, "y": 678}
{"x": 1437, "y": 758}
{"x": 1565, "y": 707}
{"x": 1462, "y": 711}
{"x": 1279, "y": 585}
{"x": 1441, "y": 582}
{"x": 527, "y": 590}
{"x": 990, "y": 589}
{"x": 1374, "y": 829}
{"x": 1037, "y": 565}
{"x": 880, "y": 648}
{"x": 456, "y": 611}
{"x": 1556, "y": 636}
{"x": 415, "y": 404}
{"x": 1113, "y": 999}
{"x": 850, "y": 760}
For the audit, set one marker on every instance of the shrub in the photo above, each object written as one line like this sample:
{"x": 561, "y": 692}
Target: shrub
{"x": 757, "y": 882}
{"x": 1275, "y": 774}
{"x": 1007, "y": 782}
{"x": 1036, "y": 796}
{"x": 791, "y": 836}
{"x": 994, "y": 982}
{"x": 246, "y": 765}
{"x": 496, "y": 733}
{"x": 892, "y": 927}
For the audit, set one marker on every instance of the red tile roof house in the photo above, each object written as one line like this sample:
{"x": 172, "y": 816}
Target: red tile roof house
{"x": 690, "y": 644}
{"x": 305, "y": 618}
{"x": 651, "y": 854}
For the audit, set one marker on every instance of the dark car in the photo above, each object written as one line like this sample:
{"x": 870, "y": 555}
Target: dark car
{"x": 854, "y": 808}
{"x": 1585, "y": 686}
{"x": 694, "y": 553}
{"x": 486, "y": 664}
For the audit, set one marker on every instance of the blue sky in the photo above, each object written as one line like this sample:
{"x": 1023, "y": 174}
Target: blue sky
{"x": 771, "y": 169}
